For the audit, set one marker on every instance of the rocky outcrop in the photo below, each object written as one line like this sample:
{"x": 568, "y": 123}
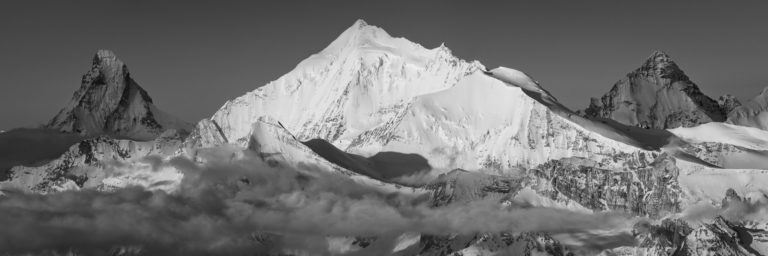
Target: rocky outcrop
{"x": 728, "y": 103}
{"x": 110, "y": 102}
{"x": 657, "y": 95}
{"x": 536, "y": 243}
{"x": 713, "y": 152}
{"x": 650, "y": 190}
{"x": 717, "y": 236}
{"x": 459, "y": 186}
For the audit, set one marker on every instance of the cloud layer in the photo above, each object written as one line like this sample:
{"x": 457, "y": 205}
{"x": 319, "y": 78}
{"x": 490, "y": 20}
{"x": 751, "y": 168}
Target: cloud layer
{"x": 226, "y": 206}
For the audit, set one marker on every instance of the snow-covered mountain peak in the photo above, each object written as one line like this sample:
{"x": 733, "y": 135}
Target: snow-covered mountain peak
{"x": 110, "y": 102}
{"x": 372, "y": 39}
{"x": 358, "y": 82}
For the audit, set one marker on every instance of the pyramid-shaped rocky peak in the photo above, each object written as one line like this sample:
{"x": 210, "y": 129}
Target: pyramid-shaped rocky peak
{"x": 110, "y": 102}
{"x": 660, "y": 65}
{"x": 657, "y": 95}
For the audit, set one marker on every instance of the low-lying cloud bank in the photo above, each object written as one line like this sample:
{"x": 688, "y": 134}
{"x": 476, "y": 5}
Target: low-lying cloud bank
{"x": 222, "y": 206}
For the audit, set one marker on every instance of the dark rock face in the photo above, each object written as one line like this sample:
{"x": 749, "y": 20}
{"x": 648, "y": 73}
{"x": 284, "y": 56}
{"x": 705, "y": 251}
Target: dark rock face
{"x": 667, "y": 238}
{"x": 110, "y": 102}
{"x": 646, "y": 191}
{"x": 657, "y": 95}
{"x": 529, "y": 243}
{"x": 382, "y": 166}
{"x": 459, "y": 186}
{"x": 676, "y": 237}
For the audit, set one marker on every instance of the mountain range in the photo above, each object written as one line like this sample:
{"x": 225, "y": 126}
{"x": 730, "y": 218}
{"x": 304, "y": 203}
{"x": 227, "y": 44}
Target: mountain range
{"x": 687, "y": 171}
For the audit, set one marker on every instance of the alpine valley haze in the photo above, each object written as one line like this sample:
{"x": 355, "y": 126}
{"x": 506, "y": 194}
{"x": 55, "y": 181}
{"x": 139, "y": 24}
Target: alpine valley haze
{"x": 377, "y": 145}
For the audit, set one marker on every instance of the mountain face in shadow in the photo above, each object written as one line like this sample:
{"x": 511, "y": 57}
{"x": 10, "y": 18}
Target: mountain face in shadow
{"x": 382, "y": 165}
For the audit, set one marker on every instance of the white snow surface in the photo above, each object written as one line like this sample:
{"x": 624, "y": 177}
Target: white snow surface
{"x": 483, "y": 123}
{"x": 353, "y": 85}
{"x": 742, "y": 136}
{"x": 708, "y": 185}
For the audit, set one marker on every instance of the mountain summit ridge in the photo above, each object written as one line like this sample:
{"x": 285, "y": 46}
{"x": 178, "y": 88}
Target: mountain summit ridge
{"x": 661, "y": 65}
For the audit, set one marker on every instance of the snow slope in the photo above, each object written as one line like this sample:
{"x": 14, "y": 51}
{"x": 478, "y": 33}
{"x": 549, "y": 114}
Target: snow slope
{"x": 709, "y": 185}
{"x": 277, "y": 146}
{"x": 727, "y": 145}
{"x": 354, "y": 84}
{"x": 747, "y": 137}
{"x": 485, "y": 123}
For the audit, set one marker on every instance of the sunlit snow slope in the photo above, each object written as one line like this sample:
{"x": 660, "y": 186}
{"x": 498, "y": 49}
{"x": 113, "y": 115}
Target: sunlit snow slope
{"x": 353, "y": 85}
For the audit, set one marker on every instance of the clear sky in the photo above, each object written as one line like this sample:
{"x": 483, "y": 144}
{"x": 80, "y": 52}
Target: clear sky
{"x": 192, "y": 57}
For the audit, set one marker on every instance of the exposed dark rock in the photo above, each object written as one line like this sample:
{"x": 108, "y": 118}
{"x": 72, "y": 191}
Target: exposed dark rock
{"x": 110, "y": 102}
{"x": 646, "y": 191}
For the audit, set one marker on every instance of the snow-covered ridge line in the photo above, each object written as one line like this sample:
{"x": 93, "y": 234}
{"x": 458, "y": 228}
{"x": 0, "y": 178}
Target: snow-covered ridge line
{"x": 644, "y": 139}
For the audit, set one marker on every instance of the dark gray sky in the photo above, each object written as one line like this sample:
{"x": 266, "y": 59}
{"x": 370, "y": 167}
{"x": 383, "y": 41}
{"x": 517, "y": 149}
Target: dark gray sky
{"x": 192, "y": 57}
